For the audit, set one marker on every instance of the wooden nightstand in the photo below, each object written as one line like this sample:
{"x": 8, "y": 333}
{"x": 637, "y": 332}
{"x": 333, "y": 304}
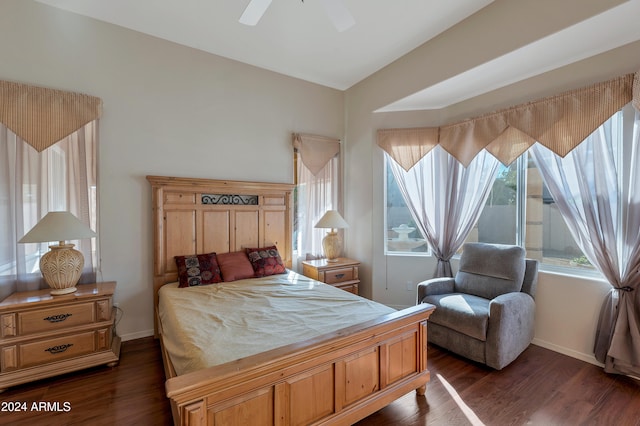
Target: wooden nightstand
{"x": 43, "y": 335}
{"x": 342, "y": 274}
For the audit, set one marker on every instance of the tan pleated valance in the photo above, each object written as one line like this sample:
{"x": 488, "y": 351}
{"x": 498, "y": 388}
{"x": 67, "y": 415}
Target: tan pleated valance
{"x": 559, "y": 122}
{"x": 41, "y": 116}
{"x": 315, "y": 151}
{"x": 408, "y": 146}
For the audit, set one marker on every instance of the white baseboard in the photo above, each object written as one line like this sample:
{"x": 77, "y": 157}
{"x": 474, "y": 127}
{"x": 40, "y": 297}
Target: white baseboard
{"x": 569, "y": 352}
{"x": 136, "y": 335}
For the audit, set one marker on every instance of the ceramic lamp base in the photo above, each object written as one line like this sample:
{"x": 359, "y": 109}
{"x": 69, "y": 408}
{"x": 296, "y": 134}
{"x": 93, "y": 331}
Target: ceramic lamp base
{"x": 332, "y": 246}
{"x": 58, "y": 292}
{"x": 61, "y": 268}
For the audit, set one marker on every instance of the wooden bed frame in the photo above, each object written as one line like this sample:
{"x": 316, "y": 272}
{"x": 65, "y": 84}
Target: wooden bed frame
{"x": 337, "y": 378}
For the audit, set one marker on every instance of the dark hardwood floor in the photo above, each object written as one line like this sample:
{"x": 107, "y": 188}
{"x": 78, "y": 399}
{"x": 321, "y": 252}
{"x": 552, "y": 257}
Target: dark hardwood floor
{"x": 540, "y": 388}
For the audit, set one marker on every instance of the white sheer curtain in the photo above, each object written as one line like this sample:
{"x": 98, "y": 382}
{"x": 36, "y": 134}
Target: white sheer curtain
{"x": 601, "y": 207}
{"x": 316, "y": 195}
{"x": 317, "y": 160}
{"x": 61, "y": 177}
{"x": 446, "y": 198}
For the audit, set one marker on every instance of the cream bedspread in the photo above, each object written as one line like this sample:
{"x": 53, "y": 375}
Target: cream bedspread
{"x": 210, "y": 325}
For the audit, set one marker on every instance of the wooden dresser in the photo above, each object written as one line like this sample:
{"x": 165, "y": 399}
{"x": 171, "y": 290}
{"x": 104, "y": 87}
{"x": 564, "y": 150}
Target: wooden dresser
{"x": 43, "y": 335}
{"x": 342, "y": 274}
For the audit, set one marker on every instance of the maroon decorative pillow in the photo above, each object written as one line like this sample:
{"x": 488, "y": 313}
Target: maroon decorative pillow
{"x": 198, "y": 269}
{"x": 235, "y": 266}
{"x": 266, "y": 261}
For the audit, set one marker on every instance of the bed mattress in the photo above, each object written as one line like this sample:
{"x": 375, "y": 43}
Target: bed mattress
{"x": 214, "y": 324}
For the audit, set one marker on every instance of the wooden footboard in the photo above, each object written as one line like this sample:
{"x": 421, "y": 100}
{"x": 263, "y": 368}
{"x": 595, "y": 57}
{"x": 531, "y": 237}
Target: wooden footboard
{"x": 338, "y": 378}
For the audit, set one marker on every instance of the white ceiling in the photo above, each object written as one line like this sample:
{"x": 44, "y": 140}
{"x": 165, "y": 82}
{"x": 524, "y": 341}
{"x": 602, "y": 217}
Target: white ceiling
{"x": 297, "y": 38}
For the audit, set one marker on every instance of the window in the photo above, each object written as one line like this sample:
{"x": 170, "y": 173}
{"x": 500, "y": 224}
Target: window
{"x": 313, "y": 196}
{"x": 60, "y": 178}
{"x": 499, "y": 220}
{"x": 519, "y": 210}
{"x": 57, "y": 171}
{"x": 402, "y": 235}
{"x": 53, "y": 164}
{"x": 317, "y": 174}
{"x": 43, "y": 171}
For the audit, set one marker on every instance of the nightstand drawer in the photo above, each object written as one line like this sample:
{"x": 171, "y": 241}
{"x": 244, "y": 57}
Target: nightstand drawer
{"x": 342, "y": 274}
{"x": 52, "y": 350}
{"x": 56, "y": 318}
{"x": 338, "y": 275}
{"x": 351, "y": 288}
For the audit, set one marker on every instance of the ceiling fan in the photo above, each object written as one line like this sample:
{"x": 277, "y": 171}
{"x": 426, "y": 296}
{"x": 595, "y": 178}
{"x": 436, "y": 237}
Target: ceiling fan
{"x": 335, "y": 9}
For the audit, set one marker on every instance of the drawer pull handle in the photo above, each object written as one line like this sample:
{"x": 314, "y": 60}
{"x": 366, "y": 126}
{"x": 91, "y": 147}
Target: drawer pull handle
{"x": 339, "y": 276}
{"x": 58, "y": 349}
{"x": 57, "y": 318}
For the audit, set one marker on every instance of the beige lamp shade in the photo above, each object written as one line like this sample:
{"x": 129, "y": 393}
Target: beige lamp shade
{"x": 332, "y": 219}
{"x": 331, "y": 243}
{"x": 62, "y": 266}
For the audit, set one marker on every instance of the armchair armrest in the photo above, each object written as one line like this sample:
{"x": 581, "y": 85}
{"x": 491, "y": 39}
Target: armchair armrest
{"x": 510, "y": 329}
{"x": 433, "y": 286}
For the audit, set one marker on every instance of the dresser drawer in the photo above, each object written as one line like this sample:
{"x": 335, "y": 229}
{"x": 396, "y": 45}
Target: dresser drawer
{"x": 55, "y": 318}
{"x": 338, "y": 275}
{"x": 56, "y": 349}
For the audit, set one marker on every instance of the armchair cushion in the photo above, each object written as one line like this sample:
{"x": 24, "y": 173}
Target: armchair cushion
{"x": 466, "y": 313}
{"x": 489, "y": 270}
{"x": 434, "y": 286}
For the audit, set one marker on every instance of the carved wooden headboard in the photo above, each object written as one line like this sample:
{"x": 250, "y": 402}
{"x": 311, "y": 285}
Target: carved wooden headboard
{"x": 194, "y": 216}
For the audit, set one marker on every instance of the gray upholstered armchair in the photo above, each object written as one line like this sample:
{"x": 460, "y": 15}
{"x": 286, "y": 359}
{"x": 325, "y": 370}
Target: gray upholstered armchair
{"x": 486, "y": 313}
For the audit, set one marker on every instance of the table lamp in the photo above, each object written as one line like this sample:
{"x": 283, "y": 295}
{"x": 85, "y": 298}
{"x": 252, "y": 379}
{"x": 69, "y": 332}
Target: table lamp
{"x": 62, "y": 265}
{"x": 331, "y": 243}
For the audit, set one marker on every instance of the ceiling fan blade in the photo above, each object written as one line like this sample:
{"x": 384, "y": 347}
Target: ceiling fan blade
{"x": 338, "y": 14}
{"x": 254, "y": 11}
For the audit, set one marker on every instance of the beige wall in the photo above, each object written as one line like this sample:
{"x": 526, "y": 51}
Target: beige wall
{"x": 168, "y": 110}
{"x": 567, "y": 307}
